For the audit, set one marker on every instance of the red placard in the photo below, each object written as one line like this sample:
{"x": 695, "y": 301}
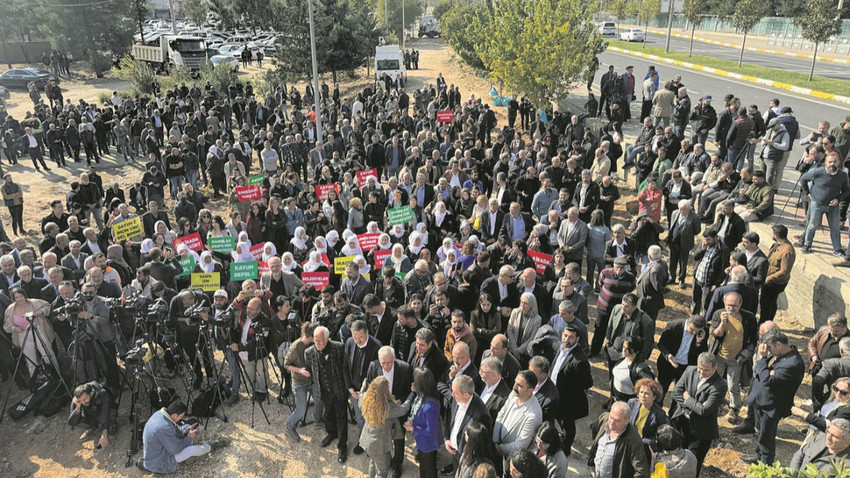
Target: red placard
{"x": 322, "y": 190}
{"x": 192, "y": 241}
{"x": 316, "y": 279}
{"x": 368, "y": 241}
{"x": 257, "y": 250}
{"x": 445, "y": 116}
{"x": 248, "y": 193}
{"x": 380, "y": 257}
{"x": 362, "y": 175}
{"x": 262, "y": 268}
{"x": 324, "y": 259}
{"x": 540, "y": 260}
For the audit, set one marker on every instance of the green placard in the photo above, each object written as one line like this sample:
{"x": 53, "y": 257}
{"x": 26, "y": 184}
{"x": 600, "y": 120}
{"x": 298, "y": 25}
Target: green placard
{"x": 222, "y": 244}
{"x": 256, "y": 179}
{"x": 243, "y": 270}
{"x": 188, "y": 265}
{"x": 401, "y": 275}
{"x": 400, "y": 215}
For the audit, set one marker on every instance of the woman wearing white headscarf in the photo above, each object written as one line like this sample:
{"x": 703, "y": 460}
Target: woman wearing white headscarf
{"x": 422, "y": 229}
{"x": 397, "y": 234}
{"x": 365, "y": 268}
{"x": 442, "y": 222}
{"x": 372, "y": 228}
{"x": 243, "y": 237}
{"x": 242, "y": 253}
{"x": 384, "y": 244}
{"x": 144, "y": 251}
{"x": 398, "y": 260}
{"x": 414, "y": 245}
{"x": 524, "y": 318}
{"x": 184, "y": 252}
{"x": 352, "y": 247}
{"x": 315, "y": 264}
{"x": 448, "y": 246}
{"x": 207, "y": 263}
{"x": 465, "y": 231}
{"x": 332, "y": 237}
{"x": 299, "y": 244}
{"x": 269, "y": 251}
{"x": 160, "y": 228}
{"x": 449, "y": 265}
{"x": 288, "y": 263}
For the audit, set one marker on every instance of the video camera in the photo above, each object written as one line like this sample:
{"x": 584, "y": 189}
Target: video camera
{"x": 225, "y": 318}
{"x": 73, "y": 306}
{"x": 136, "y": 355}
{"x": 155, "y": 311}
{"x": 194, "y": 313}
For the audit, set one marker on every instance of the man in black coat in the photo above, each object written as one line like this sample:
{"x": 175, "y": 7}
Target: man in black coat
{"x": 31, "y": 285}
{"x": 731, "y": 225}
{"x": 712, "y": 258}
{"x": 465, "y": 407}
{"x": 380, "y": 318}
{"x": 571, "y": 375}
{"x": 680, "y": 344}
{"x": 756, "y": 259}
{"x": 400, "y": 376}
{"x": 696, "y": 405}
{"x": 461, "y": 364}
{"x": 517, "y": 224}
{"x": 546, "y": 391}
{"x": 775, "y": 382}
{"x": 586, "y": 196}
{"x": 501, "y": 289}
{"x": 326, "y": 363}
{"x": 425, "y": 352}
{"x": 494, "y": 391}
{"x": 164, "y": 271}
{"x": 651, "y": 283}
{"x": 674, "y": 191}
{"x": 361, "y": 349}
{"x": 738, "y": 282}
{"x": 491, "y": 222}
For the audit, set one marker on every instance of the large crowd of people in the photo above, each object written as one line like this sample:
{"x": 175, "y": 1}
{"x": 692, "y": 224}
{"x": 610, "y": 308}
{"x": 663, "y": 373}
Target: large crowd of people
{"x": 429, "y": 278}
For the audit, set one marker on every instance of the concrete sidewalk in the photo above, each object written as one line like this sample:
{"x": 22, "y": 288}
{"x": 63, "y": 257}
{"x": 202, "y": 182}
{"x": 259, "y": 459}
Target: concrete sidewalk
{"x": 759, "y": 44}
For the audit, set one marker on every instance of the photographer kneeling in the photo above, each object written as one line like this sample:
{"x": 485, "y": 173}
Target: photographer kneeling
{"x": 166, "y": 443}
{"x": 185, "y": 311}
{"x": 92, "y": 408}
{"x": 250, "y": 337}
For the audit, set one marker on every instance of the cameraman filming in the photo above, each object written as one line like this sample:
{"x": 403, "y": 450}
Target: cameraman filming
{"x": 250, "y": 337}
{"x": 185, "y": 315}
{"x": 222, "y": 315}
{"x": 95, "y": 311}
{"x": 92, "y": 408}
{"x": 58, "y": 316}
{"x": 288, "y": 330}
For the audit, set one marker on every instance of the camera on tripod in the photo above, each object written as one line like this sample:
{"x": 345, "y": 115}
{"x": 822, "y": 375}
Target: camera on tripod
{"x": 156, "y": 311}
{"x": 194, "y": 313}
{"x": 225, "y": 319}
{"x": 73, "y": 306}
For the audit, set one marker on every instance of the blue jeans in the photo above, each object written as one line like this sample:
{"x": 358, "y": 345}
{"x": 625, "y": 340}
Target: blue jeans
{"x": 631, "y": 153}
{"x": 233, "y": 365}
{"x": 192, "y": 178}
{"x": 594, "y": 264}
{"x": 732, "y": 158}
{"x": 176, "y": 182}
{"x": 816, "y": 212}
{"x": 358, "y": 414}
{"x": 300, "y": 392}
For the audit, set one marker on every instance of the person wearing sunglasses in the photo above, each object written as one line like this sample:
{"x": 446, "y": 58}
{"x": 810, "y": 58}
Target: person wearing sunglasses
{"x": 838, "y": 406}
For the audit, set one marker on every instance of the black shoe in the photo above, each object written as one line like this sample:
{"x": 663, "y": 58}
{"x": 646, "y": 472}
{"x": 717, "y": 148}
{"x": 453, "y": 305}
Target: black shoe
{"x": 397, "y": 472}
{"x": 839, "y": 253}
{"x": 260, "y": 396}
{"x": 358, "y": 450}
{"x": 287, "y": 390}
{"x": 683, "y": 285}
{"x": 141, "y": 465}
{"x": 327, "y": 440}
{"x": 808, "y": 250}
{"x": 447, "y": 470}
{"x": 292, "y": 434}
{"x": 743, "y": 429}
{"x": 46, "y": 168}
{"x": 750, "y": 459}
{"x": 342, "y": 456}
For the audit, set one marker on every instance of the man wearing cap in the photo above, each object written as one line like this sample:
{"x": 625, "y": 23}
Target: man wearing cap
{"x": 775, "y": 144}
{"x": 703, "y": 119}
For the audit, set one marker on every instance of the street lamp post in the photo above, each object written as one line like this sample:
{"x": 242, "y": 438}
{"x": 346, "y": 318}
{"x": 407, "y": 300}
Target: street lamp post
{"x": 402, "y": 24}
{"x": 315, "y": 72}
{"x": 669, "y": 26}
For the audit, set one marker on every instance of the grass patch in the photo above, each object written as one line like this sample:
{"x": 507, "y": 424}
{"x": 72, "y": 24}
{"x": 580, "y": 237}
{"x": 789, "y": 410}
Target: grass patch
{"x": 818, "y": 83}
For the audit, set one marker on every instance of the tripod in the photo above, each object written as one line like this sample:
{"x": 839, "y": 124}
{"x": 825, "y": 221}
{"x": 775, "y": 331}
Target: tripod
{"x": 204, "y": 340}
{"x": 135, "y": 408}
{"x": 32, "y": 330}
{"x": 249, "y": 384}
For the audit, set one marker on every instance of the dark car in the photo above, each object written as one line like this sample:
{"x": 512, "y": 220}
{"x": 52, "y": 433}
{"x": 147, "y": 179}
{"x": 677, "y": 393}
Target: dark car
{"x": 21, "y": 77}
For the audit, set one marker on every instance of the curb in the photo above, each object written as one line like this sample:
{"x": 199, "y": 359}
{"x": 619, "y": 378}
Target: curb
{"x": 738, "y": 76}
{"x": 759, "y": 50}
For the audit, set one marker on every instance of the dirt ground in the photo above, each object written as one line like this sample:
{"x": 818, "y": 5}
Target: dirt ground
{"x": 48, "y": 447}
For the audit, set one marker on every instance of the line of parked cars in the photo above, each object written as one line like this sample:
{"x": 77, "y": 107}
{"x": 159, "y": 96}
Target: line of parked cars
{"x": 626, "y": 34}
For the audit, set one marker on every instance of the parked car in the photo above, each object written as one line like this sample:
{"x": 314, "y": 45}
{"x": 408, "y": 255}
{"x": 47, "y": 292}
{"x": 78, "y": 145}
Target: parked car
{"x": 4, "y": 92}
{"x": 21, "y": 77}
{"x": 632, "y": 34}
{"x": 608, "y": 28}
{"x": 227, "y": 60}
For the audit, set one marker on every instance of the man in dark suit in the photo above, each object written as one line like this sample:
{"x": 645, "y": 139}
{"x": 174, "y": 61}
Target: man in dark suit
{"x": 712, "y": 258}
{"x": 680, "y": 344}
{"x": 651, "y": 283}
{"x": 361, "y": 349}
{"x": 621, "y": 245}
{"x": 572, "y": 237}
{"x": 696, "y": 403}
{"x": 425, "y": 352}
{"x": 354, "y": 285}
{"x": 571, "y": 375}
{"x": 400, "y": 376}
{"x": 494, "y": 390}
{"x": 517, "y": 224}
{"x": 730, "y": 224}
{"x": 461, "y": 364}
{"x": 684, "y": 226}
{"x": 586, "y": 196}
{"x": 674, "y": 191}
{"x": 756, "y": 259}
{"x": 50, "y": 291}
{"x": 10, "y": 275}
{"x": 376, "y": 155}
{"x": 501, "y": 289}
{"x": 738, "y": 279}
{"x": 500, "y": 350}
{"x": 775, "y": 382}
{"x": 465, "y": 407}
{"x": 380, "y": 318}
{"x": 546, "y": 392}
{"x": 423, "y": 192}
{"x": 150, "y": 218}
{"x": 31, "y": 285}
{"x": 76, "y": 260}
{"x": 163, "y": 271}
{"x": 491, "y": 222}
{"x": 326, "y": 363}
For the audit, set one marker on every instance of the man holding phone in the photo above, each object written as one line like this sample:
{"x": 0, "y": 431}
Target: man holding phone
{"x": 167, "y": 443}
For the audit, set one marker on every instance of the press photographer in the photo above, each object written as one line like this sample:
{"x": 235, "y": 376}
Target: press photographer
{"x": 223, "y": 318}
{"x": 184, "y": 315}
{"x": 288, "y": 330}
{"x": 251, "y": 338}
{"x": 94, "y": 337}
{"x": 168, "y": 441}
{"x": 93, "y": 409}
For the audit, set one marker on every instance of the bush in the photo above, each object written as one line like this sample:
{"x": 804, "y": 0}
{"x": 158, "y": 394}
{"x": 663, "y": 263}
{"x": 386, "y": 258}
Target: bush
{"x": 268, "y": 82}
{"x": 100, "y": 63}
{"x": 138, "y": 73}
{"x": 220, "y": 77}
{"x": 177, "y": 75}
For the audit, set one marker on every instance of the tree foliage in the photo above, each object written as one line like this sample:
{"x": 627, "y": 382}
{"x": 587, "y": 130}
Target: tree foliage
{"x": 465, "y": 28}
{"x": 647, "y": 10}
{"x": 818, "y": 21}
{"x": 390, "y": 13}
{"x": 693, "y": 10}
{"x": 196, "y": 11}
{"x": 620, "y": 8}
{"x": 441, "y": 8}
{"x": 748, "y": 13}
{"x": 540, "y": 49}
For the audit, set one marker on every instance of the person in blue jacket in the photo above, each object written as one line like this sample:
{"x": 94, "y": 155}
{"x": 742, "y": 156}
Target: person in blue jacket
{"x": 424, "y": 421}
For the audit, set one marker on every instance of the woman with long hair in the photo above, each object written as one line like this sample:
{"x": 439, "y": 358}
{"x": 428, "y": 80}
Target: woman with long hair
{"x": 379, "y": 413}
{"x": 204, "y": 225}
{"x": 256, "y": 223}
{"x": 275, "y": 224}
{"x": 838, "y": 406}
{"x": 549, "y": 451}
{"x": 485, "y": 321}
{"x": 479, "y": 449}
{"x": 424, "y": 421}
{"x": 20, "y": 317}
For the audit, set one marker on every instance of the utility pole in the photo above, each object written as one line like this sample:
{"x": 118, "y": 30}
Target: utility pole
{"x": 315, "y": 72}
{"x": 669, "y": 26}
{"x": 139, "y": 13}
{"x": 173, "y": 20}
{"x": 402, "y": 24}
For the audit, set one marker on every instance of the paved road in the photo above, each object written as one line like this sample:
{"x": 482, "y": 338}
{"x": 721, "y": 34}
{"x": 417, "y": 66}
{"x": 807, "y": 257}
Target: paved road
{"x": 798, "y": 65}
{"x": 808, "y": 110}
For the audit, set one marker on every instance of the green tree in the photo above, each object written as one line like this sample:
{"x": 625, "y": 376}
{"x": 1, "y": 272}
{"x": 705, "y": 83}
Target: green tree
{"x": 647, "y": 10}
{"x": 196, "y": 11}
{"x": 441, "y": 8}
{"x": 619, "y": 8}
{"x": 464, "y": 27}
{"x": 693, "y": 11}
{"x": 747, "y": 14}
{"x": 390, "y": 14}
{"x": 540, "y": 49}
{"x": 819, "y": 22}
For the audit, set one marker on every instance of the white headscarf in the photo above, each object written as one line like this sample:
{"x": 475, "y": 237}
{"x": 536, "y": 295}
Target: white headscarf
{"x": 372, "y": 228}
{"x": 268, "y": 255}
{"x": 449, "y": 263}
{"x": 292, "y": 262}
{"x": 314, "y": 262}
{"x": 440, "y": 212}
{"x": 190, "y": 252}
{"x": 243, "y": 237}
{"x": 365, "y": 267}
{"x": 397, "y": 261}
{"x": 397, "y": 231}
{"x": 207, "y": 267}
{"x": 242, "y": 253}
{"x": 448, "y": 246}
{"x": 332, "y": 238}
{"x": 422, "y": 229}
{"x": 381, "y": 246}
{"x": 298, "y": 241}
{"x": 324, "y": 248}
{"x": 411, "y": 243}
{"x": 146, "y": 247}
{"x": 352, "y": 247}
